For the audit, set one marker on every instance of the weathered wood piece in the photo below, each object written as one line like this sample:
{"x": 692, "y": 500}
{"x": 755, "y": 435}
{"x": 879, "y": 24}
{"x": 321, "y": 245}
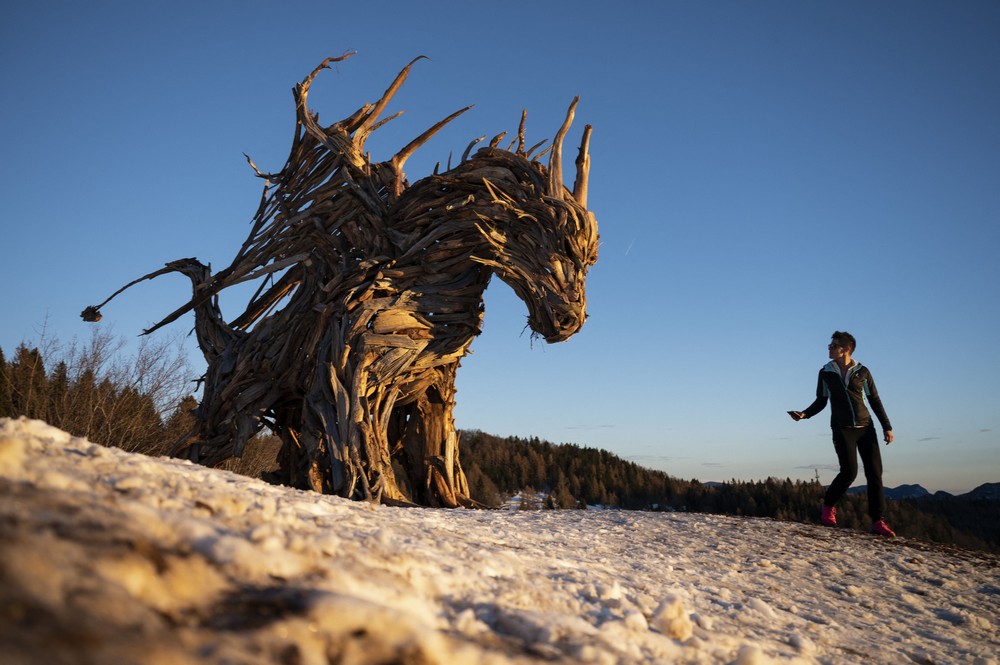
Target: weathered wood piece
{"x": 371, "y": 293}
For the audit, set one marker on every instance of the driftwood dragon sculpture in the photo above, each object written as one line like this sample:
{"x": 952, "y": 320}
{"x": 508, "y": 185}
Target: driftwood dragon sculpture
{"x": 371, "y": 291}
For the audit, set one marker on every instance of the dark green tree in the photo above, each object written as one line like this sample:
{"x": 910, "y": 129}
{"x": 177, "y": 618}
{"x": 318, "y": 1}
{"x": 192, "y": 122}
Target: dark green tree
{"x": 82, "y": 404}
{"x": 6, "y": 406}
{"x": 56, "y": 412}
{"x": 178, "y": 424}
{"x": 561, "y": 495}
{"x": 28, "y": 383}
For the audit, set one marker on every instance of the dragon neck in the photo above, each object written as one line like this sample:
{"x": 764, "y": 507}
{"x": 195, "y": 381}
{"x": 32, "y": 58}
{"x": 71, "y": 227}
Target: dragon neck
{"x": 474, "y": 205}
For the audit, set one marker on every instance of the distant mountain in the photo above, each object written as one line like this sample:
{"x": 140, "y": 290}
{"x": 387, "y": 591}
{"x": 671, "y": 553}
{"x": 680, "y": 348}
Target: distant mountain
{"x": 988, "y": 491}
{"x": 895, "y": 493}
{"x": 906, "y": 492}
{"x": 985, "y": 492}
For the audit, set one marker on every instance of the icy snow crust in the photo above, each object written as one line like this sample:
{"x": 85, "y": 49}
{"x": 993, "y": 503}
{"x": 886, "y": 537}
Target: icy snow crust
{"x": 109, "y": 557}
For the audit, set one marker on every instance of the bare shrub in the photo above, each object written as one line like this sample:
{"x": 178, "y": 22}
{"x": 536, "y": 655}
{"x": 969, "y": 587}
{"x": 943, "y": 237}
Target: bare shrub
{"x": 99, "y": 391}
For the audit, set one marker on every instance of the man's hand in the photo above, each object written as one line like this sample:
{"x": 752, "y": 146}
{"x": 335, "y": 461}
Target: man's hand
{"x": 796, "y": 415}
{"x": 888, "y": 437}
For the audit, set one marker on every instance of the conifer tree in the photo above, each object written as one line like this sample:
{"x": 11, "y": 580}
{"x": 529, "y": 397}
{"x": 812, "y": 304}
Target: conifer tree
{"x": 56, "y": 412}
{"x": 561, "y": 496}
{"x": 6, "y": 406}
{"x": 178, "y": 424}
{"x": 28, "y": 383}
{"x": 82, "y": 403}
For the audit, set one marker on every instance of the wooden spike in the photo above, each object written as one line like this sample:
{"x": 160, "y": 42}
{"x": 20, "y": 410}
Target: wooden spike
{"x": 400, "y": 158}
{"x": 520, "y": 132}
{"x": 365, "y": 128}
{"x": 580, "y": 185}
{"x": 472, "y": 144}
{"x": 555, "y": 157}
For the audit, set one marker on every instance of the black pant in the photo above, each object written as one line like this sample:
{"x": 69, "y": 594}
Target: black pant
{"x": 848, "y": 442}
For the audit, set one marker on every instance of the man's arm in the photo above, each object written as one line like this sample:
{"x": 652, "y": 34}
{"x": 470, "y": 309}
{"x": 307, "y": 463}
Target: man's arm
{"x": 815, "y": 407}
{"x": 818, "y": 404}
{"x": 871, "y": 392}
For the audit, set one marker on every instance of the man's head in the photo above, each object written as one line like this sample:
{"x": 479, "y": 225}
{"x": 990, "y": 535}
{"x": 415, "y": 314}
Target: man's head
{"x": 844, "y": 340}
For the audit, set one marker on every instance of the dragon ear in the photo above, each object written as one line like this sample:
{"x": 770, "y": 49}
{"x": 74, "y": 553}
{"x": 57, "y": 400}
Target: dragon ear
{"x": 555, "y": 157}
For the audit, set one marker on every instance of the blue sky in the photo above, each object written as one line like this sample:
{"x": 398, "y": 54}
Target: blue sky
{"x": 762, "y": 173}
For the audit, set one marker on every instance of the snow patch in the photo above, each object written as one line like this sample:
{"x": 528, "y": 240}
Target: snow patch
{"x": 157, "y": 560}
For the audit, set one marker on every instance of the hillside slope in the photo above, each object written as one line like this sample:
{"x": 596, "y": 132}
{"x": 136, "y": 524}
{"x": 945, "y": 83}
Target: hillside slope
{"x": 107, "y": 556}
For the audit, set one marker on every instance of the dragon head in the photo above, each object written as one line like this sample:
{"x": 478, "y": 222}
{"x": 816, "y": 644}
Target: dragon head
{"x": 548, "y": 239}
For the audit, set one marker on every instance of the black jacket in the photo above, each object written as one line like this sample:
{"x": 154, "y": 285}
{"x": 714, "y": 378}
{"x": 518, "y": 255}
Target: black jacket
{"x": 847, "y": 402}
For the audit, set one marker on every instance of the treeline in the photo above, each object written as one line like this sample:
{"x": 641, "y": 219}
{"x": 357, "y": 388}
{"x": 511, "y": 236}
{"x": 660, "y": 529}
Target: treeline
{"x": 93, "y": 390}
{"x": 970, "y": 522}
{"x": 139, "y": 402}
{"x": 570, "y": 476}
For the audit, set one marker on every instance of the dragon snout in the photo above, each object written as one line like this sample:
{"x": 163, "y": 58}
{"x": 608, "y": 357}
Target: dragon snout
{"x": 561, "y": 323}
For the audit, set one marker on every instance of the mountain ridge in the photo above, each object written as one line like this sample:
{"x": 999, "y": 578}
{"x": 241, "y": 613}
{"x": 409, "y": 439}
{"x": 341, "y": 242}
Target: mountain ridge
{"x": 986, "y": 491}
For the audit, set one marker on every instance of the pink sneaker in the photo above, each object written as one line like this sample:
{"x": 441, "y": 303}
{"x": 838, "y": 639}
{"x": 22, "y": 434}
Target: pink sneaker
{"x": 829, "y": 516}
{"x": 880, "y": 528}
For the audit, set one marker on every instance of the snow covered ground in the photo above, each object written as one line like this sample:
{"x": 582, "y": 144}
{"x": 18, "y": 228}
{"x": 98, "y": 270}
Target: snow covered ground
{"x": 110, "y": 557}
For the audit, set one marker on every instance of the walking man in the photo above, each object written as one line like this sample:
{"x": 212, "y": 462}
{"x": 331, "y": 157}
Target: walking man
{"x": 844, "y": 382}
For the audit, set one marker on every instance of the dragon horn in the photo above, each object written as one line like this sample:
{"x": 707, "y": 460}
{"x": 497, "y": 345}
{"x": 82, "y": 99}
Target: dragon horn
{"x": 582, "y": 169}
{"x": 555, "y": 157}
{"x": 520, "y": 132}
{"x": 366, "y": 126}
{"x": 400, "y": 158}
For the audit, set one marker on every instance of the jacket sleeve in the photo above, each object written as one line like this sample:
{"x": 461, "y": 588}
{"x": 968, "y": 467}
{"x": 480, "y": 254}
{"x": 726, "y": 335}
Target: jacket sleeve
{"x": 876, "y": 403}
{"x": 821, "y": 398}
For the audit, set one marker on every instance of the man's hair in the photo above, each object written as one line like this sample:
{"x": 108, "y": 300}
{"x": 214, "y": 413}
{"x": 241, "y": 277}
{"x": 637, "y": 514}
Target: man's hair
{"x": 845, "y": 339}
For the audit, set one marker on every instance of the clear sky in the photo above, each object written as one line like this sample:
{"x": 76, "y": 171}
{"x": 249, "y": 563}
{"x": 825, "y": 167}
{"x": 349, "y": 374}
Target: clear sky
{"x": 763, "y": 174}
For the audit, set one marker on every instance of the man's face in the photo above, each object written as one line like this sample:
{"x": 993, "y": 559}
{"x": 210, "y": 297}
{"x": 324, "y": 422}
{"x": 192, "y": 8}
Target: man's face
{"x": 837, "y": 351}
